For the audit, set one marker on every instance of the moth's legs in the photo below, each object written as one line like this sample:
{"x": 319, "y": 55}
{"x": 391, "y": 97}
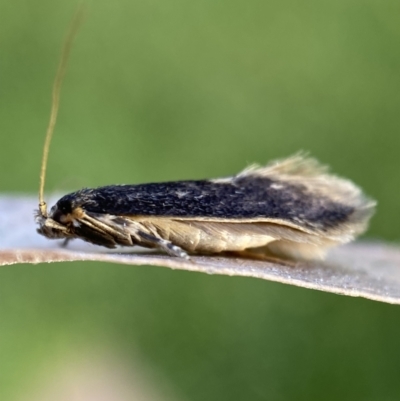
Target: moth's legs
{"x": 163, "y": 244}
{"x": 65, "y": 242}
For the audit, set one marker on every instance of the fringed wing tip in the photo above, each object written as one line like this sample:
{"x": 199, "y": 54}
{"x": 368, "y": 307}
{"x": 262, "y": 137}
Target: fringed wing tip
{"x": 299, "y": 164}
{"x": 359, "y": 219}
{"x": 315, "y": 177}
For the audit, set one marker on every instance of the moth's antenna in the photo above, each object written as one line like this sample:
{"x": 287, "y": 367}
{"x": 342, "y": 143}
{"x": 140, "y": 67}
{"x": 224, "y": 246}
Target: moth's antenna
{"x": 62, "y": 67}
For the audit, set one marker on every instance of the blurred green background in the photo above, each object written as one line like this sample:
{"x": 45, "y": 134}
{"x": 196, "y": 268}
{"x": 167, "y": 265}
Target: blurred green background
{"x": 165, "y": 90}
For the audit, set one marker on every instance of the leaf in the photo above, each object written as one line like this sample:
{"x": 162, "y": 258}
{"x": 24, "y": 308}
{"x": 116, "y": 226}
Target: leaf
{"x": 362, "y": 269}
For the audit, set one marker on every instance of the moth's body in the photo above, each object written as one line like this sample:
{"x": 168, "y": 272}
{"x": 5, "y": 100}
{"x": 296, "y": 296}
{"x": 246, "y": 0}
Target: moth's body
{"x": 291, "y": 209}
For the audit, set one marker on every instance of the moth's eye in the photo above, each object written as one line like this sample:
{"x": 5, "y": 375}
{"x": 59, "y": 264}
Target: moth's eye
{"x": 64, "y": 206}
{"x": 60, "y": 212}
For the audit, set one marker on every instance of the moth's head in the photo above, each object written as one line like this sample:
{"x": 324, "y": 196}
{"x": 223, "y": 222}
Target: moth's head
{"x": 69, "y": 219}
{"x": 59, "y": 222}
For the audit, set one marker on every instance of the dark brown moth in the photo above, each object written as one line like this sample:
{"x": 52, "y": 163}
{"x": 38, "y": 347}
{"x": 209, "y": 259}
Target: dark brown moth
{"x": 291, "y": 208}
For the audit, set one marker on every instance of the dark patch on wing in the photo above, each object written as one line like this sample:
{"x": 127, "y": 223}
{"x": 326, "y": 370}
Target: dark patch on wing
{"x": 244, "y": 197}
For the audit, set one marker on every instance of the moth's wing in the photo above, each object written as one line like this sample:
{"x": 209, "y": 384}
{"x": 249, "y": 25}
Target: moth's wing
{"x": 190, "y": 235}
{"x": 269, "y": 238}
{"x": 199, "y": 236}
{"x": 290, "y": 205}
{"x": 315, "y": 177}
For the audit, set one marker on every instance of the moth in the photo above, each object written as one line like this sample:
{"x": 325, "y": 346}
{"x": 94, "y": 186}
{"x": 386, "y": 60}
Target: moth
{"x": 292, "y": 208}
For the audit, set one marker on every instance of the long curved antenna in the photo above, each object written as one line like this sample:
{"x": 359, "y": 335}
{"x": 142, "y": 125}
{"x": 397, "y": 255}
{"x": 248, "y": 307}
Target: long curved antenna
{"x": 62, "y": 67}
